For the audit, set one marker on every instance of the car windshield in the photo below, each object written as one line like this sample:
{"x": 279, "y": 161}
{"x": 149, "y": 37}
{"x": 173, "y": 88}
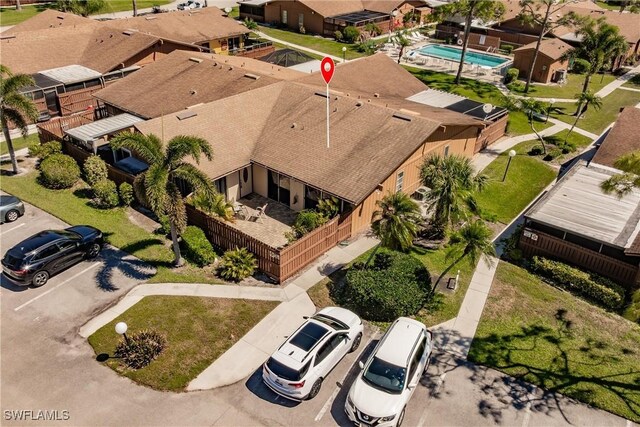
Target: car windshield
{"x": 330, "y": 321}
{"x": 308, "y": 336}
{"x": 385, "y": 376}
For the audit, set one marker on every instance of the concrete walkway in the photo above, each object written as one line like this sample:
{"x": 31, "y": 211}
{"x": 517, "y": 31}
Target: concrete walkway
{"x": 297, "y": 46}
{"x": 246, "y": 355}
{"x": 618, "y": 82}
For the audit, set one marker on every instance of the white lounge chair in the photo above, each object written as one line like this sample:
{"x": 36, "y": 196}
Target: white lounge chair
{"x": 260, "y": 213}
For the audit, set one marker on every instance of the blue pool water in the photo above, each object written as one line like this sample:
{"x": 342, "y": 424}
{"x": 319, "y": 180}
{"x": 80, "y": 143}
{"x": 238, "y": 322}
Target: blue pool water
{"x": 454, "y": 54}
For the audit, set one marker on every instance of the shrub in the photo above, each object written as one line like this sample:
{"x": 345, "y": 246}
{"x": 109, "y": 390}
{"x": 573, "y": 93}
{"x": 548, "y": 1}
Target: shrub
{"x": 580, "y": 66}
{"x": 351, "y": 34}
{"x": 396, "y": 285}
{"x": 59, "y": 171}
{"x": 535, "y": 151}
{"x": 250, "y": 24}
{"x": 95, "y": 169}
{"x": 368, "y": 47}
{"x": 105, "y": 194}
{"x": 237, "y": 264}
{"x": 373, "y": 29}
{"x": 196, "y": 246}
{"x": 306, "y": 221}
{"x": 329, "y": 207}
{"x": 165, "y": 225}
{"x": 507, "y": 48}
{"x": 140, "y": 348}
{"x": 338, "y": 35}
{"x": 566, "y": 148}
{"x": 590, "y": 286}
{"x": 42, "y": 151}
{"x": 552, "y": 154}
{"x": 126, "y": 193}
{"x": 512, "y": 75}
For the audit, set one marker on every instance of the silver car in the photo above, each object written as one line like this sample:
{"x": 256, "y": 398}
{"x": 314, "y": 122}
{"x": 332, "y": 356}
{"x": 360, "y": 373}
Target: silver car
{"x": 11, "y": 208}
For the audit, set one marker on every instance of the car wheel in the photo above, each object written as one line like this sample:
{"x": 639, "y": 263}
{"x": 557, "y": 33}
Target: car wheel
{"x": 93, "y": 251}
{"x": 315, "y": 389}
{"x": 40, "y": 278}
{"x": 401, "y": 418}
{"x": 12, "y": 215}
{"x": 356, "y": 343}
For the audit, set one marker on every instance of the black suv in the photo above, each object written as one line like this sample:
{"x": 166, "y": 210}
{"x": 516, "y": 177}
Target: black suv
{"x": 42, "y": 255}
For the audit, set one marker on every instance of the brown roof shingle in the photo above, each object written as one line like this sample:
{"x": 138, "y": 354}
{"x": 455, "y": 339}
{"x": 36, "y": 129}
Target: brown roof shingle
{"x": 553, "y": 48}
{"x": 177, "y": 82}
{"x": 194, "y": 27}
{"x": 622, "y": 138}
{"x": 49, "y": 18}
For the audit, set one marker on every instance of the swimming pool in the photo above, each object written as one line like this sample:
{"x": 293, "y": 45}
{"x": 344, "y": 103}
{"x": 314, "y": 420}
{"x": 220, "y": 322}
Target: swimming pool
{"x": 454, "y": 54}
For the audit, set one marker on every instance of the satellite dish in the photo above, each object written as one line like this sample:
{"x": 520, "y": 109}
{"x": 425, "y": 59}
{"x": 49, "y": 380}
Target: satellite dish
{"x": 487, "y": 108}
{"x": 228, "y": 9}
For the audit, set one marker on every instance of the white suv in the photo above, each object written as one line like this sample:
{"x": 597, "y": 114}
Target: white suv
{"x": 381, "y": 392}
{"x": 297, "y": 368}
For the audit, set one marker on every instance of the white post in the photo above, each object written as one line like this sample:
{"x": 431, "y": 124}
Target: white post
{"x": 327, "y": 115}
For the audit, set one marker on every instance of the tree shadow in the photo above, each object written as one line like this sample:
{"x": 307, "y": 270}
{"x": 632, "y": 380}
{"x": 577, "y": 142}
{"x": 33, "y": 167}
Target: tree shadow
{"x": 117, "y": 261}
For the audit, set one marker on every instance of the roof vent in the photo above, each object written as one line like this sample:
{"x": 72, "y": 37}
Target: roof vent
{"x": 60, "y": 17}
{"x": 231, "y": 68}
{"x": 322, "y": 94}
{"x": 196, "y": 60}
{"x": 376, "y": 95}
{"x": 402, "y": 117}
{"x": 405, "y": 111}
{"x": 186, "y": 114}
{"x": 193, "y": 91}
{"x": 294, "y": 125}
{"x": 7, "y": 37}
{"x": 359, "y": 104}
{"x": 149, "y": 18}
{"x": 127, "y": 32}
{"x": 252, "y": 76}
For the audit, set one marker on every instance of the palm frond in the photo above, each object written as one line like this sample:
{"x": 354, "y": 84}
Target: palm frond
{"x": 156, "y": 182}
{"x": 148, "y": 147}
{"x": 10, "y": 115}
{"x": 199, "y": 182}
{"x": 183, "y": 146}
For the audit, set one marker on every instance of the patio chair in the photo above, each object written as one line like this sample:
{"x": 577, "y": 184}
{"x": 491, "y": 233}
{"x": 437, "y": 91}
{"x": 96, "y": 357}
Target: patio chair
{"x": 421, "y": 61}
{"x": 260, "y": 213}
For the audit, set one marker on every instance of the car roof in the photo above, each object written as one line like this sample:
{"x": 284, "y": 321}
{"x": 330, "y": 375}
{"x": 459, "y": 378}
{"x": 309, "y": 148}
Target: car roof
{"x": 301, "y": 343}
{"x": 37, "y": 241}
{"x": 8, "y": 200}
{"x": 399, "y": 341}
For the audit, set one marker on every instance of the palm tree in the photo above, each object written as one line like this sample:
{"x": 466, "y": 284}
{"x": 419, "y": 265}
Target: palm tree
{"x": 158, "y": 186}
{"x": 403, "y": 42}
{"x": 18, "y": 5}
{"x": 135, "y": 7}
{"x": 395, "y": 222}
{"x": 216, "y": 205}
{"x": 486, "y": 10}
{"x": 601, "y": 44}
{"x": 15, "y": 108}
{"x": 81, "y": 7}
{"x": 623, "y": 183}
{"x": 452, "y": 181}
{"x": 472, "y": 241}
{"x": 531, "y": 108}
{"x": 585, "y": 99}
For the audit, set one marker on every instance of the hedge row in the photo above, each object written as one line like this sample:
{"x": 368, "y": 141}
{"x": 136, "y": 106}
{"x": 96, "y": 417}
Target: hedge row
{"x": 197, "y": 247}
{"x": 596, "y": 289}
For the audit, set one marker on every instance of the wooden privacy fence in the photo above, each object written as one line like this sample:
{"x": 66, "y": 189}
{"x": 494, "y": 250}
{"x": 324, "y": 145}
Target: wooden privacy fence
{"x": 78, "y": 100}
{"x": 534, "y": 242}
{"x": 492, "y": 133}
{"x": 53, "y": 130}
{"x": 80, "y": 155}
{"x": 279, "y": 264}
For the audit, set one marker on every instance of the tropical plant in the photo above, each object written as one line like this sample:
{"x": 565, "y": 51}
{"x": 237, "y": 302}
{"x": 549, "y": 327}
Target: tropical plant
{"x": 623, "y": 183}
{"x": 237, "y": 264}
{"x": 95, "y": 170}
{"x": 484, "y": 10}
{"x": 197, "y": 248}
{"x": 125, "y": 190}
{"x": 168, "y": 163}
{"x": 105, "y": 194}
{"x": 140, "y": 348}
{"x": 584, "y": 99}
{"x": 306, "y": 221}
{"x": 135, "y": 7}
{"x": 214, "y": 204}
{"x": 250, "y": 24}
{"x": 42, "y": 151}
{"x": 81, "y": 7}
{"x": 601, "y": 43}
{"x": 452, "y": 181}
{"x": 15, "y": 108}
{"x": 632, "y": 6}
{"x": 403, "y": 42}
{"x": 350, "y": 34}
{"x": 396, "y": 220}
{"x": 328, "y": 207}
{"x": 542, "y": 14}
{"x": 472, "y": 241}
{"x": 59, "y": 171}
{"x": 531, "y": 108}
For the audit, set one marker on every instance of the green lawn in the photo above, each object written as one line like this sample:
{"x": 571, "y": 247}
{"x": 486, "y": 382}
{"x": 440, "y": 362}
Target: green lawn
{"x": 19, "y": 143}
{"x": 606, "y": 5}
{"x": 519, "y": 124}
{"x": 199, "y": 331}
{"x": 554, "y": 340}
{"x": 235, "y": 12}
{"x": 11, "y": 16}
{"x": 633, "y": 83}
{"x": 443, "y": 307}
{"x": 320, "y": 44}
{"x": 568, "y": 90}
{"x": 114, "y": 223}
{"x": 597, "y": 121}
{"x": 526, "y": 178}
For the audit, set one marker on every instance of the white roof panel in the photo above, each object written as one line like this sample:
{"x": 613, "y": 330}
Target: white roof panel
{"x": 577, "y": 205}
{"x": 92, "y": 131}
{"x": 307, "y": 67}
{"x": 71, "y": 74}
{"x": 436, "y": 98}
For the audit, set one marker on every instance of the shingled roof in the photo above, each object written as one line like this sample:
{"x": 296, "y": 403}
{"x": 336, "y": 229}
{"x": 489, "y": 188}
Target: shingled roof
{"x": 183, "y": 79}
{"x": 50, "y": 18}
{"x": 189, "y": 26}
{"x": 622, "y": 139}
{"x": 285, "y": 131}
{"x": 552, "y": 48}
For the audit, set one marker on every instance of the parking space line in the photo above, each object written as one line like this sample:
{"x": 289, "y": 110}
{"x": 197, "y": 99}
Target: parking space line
{"x": 94, "y": 265}
{"x": 423, "y": 418}
{"x": 337, "y": 389}
{"x": 11, "y": 229}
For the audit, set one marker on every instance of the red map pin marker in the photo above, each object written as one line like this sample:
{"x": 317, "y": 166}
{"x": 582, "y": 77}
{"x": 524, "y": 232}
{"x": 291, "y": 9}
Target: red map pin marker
{"x": 327, "y": 67}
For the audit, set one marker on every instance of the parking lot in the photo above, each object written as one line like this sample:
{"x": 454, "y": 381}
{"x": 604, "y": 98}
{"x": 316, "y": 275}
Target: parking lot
{"x": 46, "y": 365}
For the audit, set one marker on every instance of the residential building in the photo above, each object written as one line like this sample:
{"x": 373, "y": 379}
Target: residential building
{"x": 622, "y": 138}
{"x": 549, "y": 66}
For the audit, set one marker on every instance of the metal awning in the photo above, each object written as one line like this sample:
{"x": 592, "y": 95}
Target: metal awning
{"x": 72, "y": 74}
{"x": 356, "y": 18}
{"x": 41, "y": 82}
{"x": 90, "y": 132}
{"x": 254, "y": 2}
{"x": 457, "y": 103}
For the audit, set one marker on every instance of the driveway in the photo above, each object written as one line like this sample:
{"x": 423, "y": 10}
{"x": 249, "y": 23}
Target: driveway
{"x": 47, "y": 366}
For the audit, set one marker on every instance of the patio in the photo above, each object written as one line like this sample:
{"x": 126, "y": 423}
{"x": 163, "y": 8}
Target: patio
{"x": 268, "y": 228}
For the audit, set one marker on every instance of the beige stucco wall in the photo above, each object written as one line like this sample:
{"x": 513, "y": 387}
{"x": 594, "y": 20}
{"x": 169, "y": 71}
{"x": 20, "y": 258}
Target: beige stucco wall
{"x": 260, "y": 182}
{"x": 233, "y": 187}
{"x": 296, "y": 195}
{"x": 246, "y": 187}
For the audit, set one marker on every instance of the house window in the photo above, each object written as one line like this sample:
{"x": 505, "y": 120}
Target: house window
{"x": 399, "y": 181}
{"x": 221, "y": 186}
{"x": 234, "y": 43}
{"x": 301, "y": 20}
{"x": 284, "y": 16}
{"x": 446, "y": 150}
